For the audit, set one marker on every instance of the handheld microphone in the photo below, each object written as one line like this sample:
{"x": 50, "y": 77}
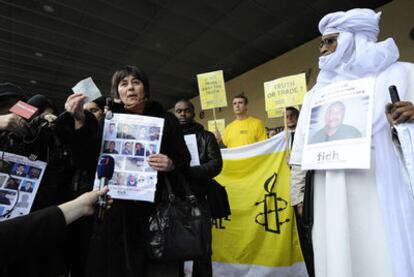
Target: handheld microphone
{"x": 394, "y": 94}
{"x": 108, "y": 108}
{"x": 105, "y": 171}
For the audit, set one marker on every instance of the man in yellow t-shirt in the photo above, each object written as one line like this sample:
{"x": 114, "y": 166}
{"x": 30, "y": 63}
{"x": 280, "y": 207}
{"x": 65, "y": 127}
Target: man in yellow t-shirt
{"x": 245, "y": 129}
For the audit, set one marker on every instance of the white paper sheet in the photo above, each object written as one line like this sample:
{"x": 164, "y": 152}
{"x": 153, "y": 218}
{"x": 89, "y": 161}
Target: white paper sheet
{"x": 191, "y": 142}
{"x": 88, "y": 88}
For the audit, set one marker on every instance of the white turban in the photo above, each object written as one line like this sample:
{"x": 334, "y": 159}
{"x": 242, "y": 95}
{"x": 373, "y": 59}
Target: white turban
{"x": 361, "y": 21}
{"x": 357, "y": 53}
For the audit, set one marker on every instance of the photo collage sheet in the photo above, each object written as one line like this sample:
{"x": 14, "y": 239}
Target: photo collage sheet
{"x": 130, "y": 139}
{"x": 19, "y": 182}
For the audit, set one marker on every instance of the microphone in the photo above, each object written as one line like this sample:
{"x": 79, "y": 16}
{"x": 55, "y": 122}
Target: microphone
{"x": 39, "y": 101}
{"x": 394, "y": 94}
{"x": 105, "y": 171}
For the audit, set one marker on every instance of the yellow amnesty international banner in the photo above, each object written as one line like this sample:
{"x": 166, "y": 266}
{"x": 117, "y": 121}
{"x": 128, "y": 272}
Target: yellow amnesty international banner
{"x": 285, "y": 92}
{"x": 212, "y": 90}
{"x": 221, "y": 125}
{"x": 260, "y": 237}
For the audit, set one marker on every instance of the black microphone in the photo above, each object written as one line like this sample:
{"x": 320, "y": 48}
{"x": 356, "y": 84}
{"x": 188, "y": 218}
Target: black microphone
{"x": 39, "y": 101}
{"x": 105, "y": 171}
{"x": 394, "y": 94}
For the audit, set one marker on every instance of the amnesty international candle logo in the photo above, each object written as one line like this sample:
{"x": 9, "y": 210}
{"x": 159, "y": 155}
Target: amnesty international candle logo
{"x": 272, "y": 205}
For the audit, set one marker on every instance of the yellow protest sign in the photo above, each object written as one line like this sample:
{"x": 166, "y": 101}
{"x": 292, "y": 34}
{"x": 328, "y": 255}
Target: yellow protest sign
{"x": 275, "y": 113}
{"x": 212, "y": 90}
{"x": 221, "y": 125}
{"x": 285, "y": 92}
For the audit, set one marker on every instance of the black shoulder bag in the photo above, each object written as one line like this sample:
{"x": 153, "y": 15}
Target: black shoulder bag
{"x": 179, "y": 229}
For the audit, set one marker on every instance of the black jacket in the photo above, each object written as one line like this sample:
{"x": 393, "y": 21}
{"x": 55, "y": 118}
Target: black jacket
{"x": 211, "y": 162}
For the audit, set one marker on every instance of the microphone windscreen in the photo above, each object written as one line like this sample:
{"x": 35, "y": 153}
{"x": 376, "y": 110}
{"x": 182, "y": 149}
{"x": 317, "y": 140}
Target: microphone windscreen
{"x": 39, "y": 101}
{"x": 106, "y": 167}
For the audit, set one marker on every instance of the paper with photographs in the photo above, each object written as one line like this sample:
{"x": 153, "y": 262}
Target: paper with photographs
{"x": 130, "y": 139}
{"x": 19, "y": 182}
{"x": 339, "y": 126}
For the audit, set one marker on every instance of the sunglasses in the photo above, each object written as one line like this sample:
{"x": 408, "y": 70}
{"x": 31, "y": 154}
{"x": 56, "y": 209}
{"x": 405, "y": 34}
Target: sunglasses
{"x": 328, "y": 41}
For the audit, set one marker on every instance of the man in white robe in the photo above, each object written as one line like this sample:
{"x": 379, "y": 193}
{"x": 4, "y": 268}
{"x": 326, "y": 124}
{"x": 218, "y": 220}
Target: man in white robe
{"x": 363, "y": 219}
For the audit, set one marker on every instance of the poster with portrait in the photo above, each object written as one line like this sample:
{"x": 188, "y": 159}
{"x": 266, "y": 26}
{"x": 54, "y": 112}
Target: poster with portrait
{"x": 339, "y": 126}
{"x": 130, "y": 140}
{"x": 19, "y": 182}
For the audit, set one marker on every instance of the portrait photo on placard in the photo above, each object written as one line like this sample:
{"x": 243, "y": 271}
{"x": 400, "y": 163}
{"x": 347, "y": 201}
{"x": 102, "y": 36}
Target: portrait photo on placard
{"x": 5, "y": 167}
{"x": 24, "y": 200}
{"x": 34, "y": 172}
{"x": 134, "y": 164}
{"x": 118, "y": 179}
{"x": 13, "y": 183}
{"x": 126, "y": 131}
{"x": 111, "y": 147}
{"x": 3, "y": 179}
{"x": 27, "y": 186}
{"x": 119, "y": 163}
{"x": 151, "y": 149}
{"x": 339, "y": 120}
{"x": 111, "y": 131}
{"x": 7, "y": 197}
{"x": 139, "y": 149}
{"x": 154, "y": 133}
{"x": 19, "y": 169}
{"x": 127, "y": 148}
{"x": 143, "y": 133}
{"x": 132, "y": 180}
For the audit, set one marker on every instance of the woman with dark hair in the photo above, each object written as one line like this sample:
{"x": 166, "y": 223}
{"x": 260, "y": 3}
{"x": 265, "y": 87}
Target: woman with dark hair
{"x": 124, "y": 227}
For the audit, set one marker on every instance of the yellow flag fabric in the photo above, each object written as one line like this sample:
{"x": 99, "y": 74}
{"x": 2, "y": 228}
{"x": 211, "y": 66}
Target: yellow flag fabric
{"x": 260, "y": 237}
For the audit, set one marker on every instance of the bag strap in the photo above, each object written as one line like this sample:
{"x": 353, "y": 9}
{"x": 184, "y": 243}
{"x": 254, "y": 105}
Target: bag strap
{"x": 171, "y": 195}
{"x": 184, "y": 182}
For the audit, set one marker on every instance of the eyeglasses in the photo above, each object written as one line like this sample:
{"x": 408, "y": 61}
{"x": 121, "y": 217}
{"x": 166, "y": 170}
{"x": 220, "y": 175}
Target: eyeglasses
{"x": 328, "y": 41}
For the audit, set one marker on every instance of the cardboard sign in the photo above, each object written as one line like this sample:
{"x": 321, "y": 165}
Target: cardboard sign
{"x": 285, "y": 92}
{"x": 212, "y": 90}
{"x": 220, "y": 123}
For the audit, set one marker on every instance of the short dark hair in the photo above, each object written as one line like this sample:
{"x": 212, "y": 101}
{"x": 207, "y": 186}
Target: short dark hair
{"x": 294, "y": 110}
{"x": 241, "y": 95}
{"x": 125, "y": 71}
{"x": 188, "y": 102}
